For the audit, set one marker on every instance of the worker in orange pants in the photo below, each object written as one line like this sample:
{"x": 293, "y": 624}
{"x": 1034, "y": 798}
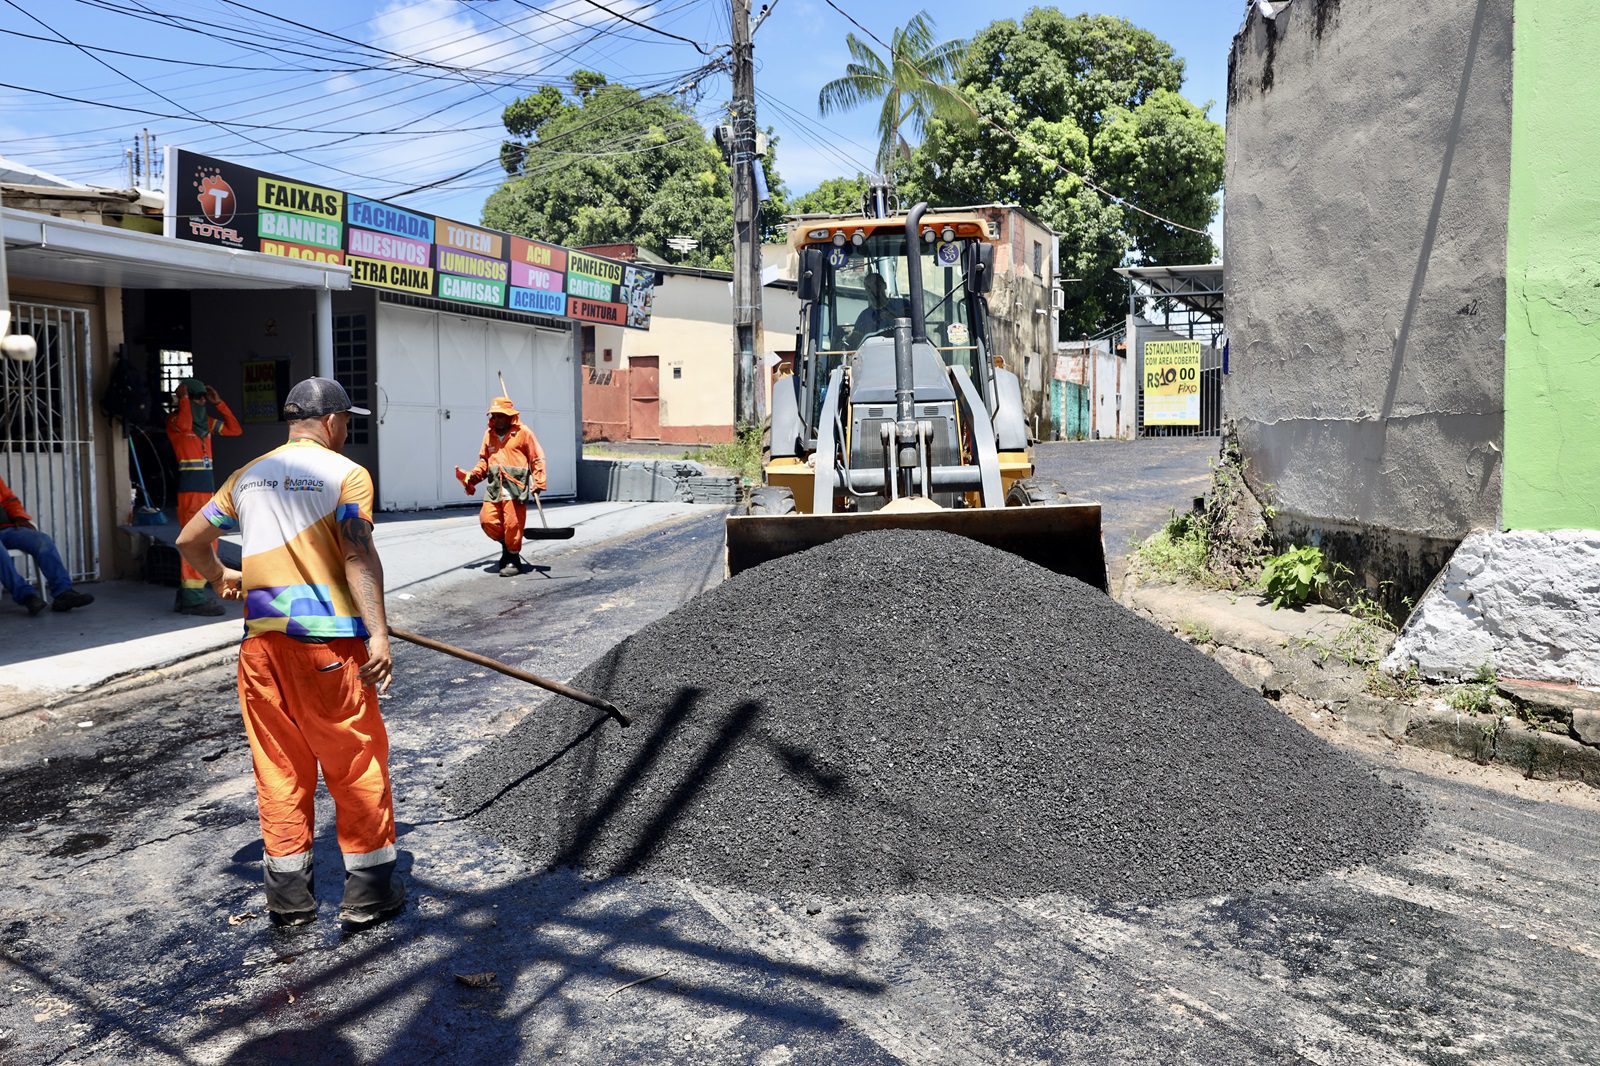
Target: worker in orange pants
{"x": 198, "y": 414}
{"x": 305, "y": 705}
{"x": 512, "y": 463}
{"x": 315, "y": 655}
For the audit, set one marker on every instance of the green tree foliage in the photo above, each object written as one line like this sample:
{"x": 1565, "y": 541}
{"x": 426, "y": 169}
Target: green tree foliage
{"x": 1098, "y": 96}
{"x": 835, "y": 196}
{"x": 604, "y": 164}
{"x": 912, "y": 85}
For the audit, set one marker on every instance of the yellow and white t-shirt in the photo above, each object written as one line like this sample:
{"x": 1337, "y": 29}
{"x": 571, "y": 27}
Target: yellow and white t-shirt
{"x": 288, "y": 504}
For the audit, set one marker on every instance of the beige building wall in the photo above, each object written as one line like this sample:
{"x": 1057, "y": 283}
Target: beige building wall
{"x": 691, "y": 339}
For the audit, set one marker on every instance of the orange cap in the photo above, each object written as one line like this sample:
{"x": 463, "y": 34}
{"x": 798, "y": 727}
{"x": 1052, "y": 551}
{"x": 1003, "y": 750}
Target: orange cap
{"x": 502, "y": 405}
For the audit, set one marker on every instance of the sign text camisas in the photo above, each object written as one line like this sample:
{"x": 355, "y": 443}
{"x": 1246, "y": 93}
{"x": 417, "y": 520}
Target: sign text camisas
{"x": 288, "y": 505}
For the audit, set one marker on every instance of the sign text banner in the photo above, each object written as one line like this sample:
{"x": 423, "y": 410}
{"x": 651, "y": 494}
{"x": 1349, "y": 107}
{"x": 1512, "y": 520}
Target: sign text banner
{"x": 1172, "y": 383}
{"x": 387, "y": 247}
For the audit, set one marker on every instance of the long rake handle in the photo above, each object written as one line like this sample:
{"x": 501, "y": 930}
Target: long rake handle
{"x": 511, "y": 671}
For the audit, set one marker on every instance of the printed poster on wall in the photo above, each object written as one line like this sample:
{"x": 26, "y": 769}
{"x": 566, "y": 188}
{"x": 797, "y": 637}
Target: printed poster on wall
{"x": 1172, "y": 383}
{"x": 213, "y": 201}
{"x": 265, "y": 388}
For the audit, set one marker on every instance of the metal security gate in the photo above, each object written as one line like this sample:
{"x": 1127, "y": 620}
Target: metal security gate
{"x": 47, "y": 433}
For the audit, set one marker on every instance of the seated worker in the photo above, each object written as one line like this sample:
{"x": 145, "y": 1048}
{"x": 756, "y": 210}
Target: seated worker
{"x": 879, "y": 314}
{"x": 16, "y": 531}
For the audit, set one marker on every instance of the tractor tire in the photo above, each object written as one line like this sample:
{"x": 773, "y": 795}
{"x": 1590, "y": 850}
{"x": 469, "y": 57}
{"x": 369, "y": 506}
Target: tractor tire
{"x": 1037, "y": 492}
{"x": 770, "y": 500}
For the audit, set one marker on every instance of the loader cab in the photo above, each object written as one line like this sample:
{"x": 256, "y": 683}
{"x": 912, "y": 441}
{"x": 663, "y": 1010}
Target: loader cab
{"x": 860, "y": 284}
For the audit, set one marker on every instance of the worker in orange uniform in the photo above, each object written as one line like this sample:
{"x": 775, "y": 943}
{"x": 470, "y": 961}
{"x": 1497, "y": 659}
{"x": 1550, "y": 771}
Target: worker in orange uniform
{"x": 198, "y": 414}
{"x": 17, "y": 534}
{"x": 315, "y": 654}
{"x": 512, "y": 462}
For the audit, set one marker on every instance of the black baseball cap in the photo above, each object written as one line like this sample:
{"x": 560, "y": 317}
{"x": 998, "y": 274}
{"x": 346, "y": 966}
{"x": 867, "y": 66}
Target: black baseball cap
{"x": 315, "y": 397}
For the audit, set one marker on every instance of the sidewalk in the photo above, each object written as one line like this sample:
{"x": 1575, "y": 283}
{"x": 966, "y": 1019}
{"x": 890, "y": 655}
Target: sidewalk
{"x": 1316, "y": 664}
{"x": 131, "y": 627}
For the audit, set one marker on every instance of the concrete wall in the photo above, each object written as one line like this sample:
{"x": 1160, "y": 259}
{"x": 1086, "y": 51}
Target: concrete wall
{"x": 1367, "y": 158}
{"x": 1022, "y": 335}
{"x": 1110, "y": 382}
{"x": 1552, "y": 438}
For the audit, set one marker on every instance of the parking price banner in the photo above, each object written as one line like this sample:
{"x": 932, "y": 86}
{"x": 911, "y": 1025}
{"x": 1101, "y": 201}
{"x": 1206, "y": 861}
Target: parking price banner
{"x": 1172, "y": 383}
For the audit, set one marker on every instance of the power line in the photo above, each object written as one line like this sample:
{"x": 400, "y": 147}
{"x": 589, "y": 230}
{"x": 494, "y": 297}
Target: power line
{"x": 698, "y": 47}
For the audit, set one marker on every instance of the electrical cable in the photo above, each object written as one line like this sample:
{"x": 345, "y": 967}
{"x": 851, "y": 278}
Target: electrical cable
{"x": 698, "y": 47}
{"x": 233, "y": 127}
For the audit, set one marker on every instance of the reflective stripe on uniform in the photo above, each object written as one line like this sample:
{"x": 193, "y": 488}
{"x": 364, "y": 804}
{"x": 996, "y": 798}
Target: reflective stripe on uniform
{"x": 289, "y": 863}
{"x": 371, "y": 858}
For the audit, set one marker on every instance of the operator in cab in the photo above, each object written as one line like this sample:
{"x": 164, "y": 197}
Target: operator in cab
{"x": 879, "y": 314}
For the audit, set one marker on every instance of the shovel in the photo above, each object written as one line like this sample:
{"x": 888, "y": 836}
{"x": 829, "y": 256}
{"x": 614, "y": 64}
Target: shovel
{"x": 511, "y": 671}
{"x": 548, "y": 532}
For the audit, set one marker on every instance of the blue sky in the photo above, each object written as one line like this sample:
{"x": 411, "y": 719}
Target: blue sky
{"x": 386, "y": 110}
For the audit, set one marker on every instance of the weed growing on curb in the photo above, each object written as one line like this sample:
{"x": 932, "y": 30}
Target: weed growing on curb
{"x": 1176, "y": 552}
{"x": 1298, "y": 576}
{"x": 742, "y": 455}
{"x": 1195, "y": 632}
{"x": 1408, "y": 686}
{"x": 1478, "y": 696}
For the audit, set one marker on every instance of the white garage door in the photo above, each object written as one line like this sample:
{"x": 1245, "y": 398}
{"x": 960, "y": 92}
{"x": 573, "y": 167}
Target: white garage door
{"x": 437, "y": 373}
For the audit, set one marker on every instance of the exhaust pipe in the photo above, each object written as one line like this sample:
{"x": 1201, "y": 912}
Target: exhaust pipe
{"x": 919, "y": 321}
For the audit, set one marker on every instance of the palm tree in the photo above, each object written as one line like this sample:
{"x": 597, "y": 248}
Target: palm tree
{"x": 914, "y": 85}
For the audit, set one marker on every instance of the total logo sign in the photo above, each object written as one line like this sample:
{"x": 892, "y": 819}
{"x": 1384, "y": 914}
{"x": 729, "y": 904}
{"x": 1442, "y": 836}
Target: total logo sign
{"x": 218, "y": 203}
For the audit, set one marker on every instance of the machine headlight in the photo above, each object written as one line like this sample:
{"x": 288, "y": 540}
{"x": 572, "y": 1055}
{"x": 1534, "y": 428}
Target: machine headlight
{"x": 838, "y": 239}
{"x": 947, "y": 235}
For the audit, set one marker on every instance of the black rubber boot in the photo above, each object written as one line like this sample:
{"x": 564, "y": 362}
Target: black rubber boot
{"x": 371, "y": 895}
{"x": 291, "y": 895}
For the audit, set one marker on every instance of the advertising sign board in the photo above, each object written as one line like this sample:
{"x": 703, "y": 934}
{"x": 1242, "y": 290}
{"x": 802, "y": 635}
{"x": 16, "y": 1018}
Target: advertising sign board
{"x": 213, "y": 201}
{"x": 1172, "y": 383}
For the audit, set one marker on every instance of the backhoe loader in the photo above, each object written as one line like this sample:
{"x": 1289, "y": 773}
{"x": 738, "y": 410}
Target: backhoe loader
{"x": 897, "y": 414}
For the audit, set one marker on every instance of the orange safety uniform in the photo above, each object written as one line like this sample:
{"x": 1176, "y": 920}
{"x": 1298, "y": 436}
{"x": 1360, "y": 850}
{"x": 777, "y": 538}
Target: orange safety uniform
{"x": 304, "y": 704}
{"x": 513, "y": 467}
{"x": 195, "y": 479}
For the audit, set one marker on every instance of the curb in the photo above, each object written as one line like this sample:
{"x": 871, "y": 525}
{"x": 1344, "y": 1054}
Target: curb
{"x": 1547, "y": 732}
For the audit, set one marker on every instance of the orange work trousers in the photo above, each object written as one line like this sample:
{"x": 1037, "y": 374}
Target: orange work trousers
{"x": 192, "y": 587}
{"x": 502, "y": 522}
{"x": 304, "y": 705}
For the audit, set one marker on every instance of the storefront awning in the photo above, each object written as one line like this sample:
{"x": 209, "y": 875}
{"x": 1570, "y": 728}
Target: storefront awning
{"x": 83, "y": 253}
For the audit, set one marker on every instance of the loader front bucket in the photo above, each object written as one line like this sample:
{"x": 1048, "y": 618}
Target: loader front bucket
{"x": 1061, "y": 537}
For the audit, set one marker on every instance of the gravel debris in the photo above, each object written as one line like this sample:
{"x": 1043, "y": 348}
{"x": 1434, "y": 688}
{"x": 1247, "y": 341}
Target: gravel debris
{"x": 909, "y": 712}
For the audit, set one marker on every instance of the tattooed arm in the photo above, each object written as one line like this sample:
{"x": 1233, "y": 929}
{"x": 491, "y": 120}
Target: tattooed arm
{"x": 363, "y": 572}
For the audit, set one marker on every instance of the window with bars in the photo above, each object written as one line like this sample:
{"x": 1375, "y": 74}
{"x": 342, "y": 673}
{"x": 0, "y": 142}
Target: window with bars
{"x": 34, "y": 413}
{"x": 352, "y": 367}
{"x": 175, "y": 367}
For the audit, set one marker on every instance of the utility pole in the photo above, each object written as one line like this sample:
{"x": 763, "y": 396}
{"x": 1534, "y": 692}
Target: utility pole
{"x": 746, "y": 233}
{"x": 149, "y": 161}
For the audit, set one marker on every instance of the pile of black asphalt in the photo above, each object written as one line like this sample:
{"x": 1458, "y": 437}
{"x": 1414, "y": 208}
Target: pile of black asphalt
{"x": 912, "y": 712}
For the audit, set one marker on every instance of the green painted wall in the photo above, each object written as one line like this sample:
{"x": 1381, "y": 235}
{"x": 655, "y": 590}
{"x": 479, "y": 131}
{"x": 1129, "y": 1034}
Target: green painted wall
{"x": 1552, "y": 427}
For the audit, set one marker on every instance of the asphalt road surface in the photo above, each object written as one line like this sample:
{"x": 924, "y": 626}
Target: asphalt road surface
{"x": 132, "y": 927}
